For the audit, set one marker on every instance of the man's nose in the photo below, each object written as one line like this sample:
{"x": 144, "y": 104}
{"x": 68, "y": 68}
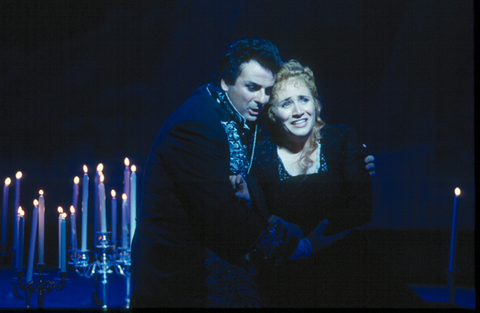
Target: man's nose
{"x": 261, "y": 97}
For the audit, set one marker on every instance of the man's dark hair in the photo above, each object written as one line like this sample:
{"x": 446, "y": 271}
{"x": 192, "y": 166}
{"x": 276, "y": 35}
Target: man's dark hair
{"x": 244, "y": 50}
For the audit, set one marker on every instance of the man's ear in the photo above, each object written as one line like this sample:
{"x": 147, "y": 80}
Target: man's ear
{"x": 224, "y": 85}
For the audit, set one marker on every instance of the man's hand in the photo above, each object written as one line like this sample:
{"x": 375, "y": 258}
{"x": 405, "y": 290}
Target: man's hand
{"x": 370, "y": 165}
{"x": 241, "y": 188}
{"x": 319, "y": 240}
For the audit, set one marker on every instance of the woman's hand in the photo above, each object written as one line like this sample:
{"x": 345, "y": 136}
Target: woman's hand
{"x": 319, "y": 240}
{"x": 241, "y": 188}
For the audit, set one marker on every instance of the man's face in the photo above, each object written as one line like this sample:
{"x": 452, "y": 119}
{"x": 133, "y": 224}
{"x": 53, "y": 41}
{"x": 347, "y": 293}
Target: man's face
{"x": 251, "y": 90}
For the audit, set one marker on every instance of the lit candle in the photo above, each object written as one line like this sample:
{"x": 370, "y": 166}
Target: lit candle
{"x": 62, "y": 240}
{"x": 21, "y": 233}
{"x": 133, "y": 202}
{"x": 84, "y": 208}
{"x": 73, "y": 227}
{"x": 102, "y": 207}
{"x": 126, "y": 184}
{"x": 96, "y": 207}
{"x": 124, "y": 221}
{"x": 60, "y": 235}
{"x": 15, "y": 208}
{"x": 41, "y": 227}
{"x": 33, "y": 241}
{"x": 114, "y": 218}
{"x": 454, "y": 230}
{"x": 76, "y": 180}
{"x": 63, "y": 267}
{"x": 5, "y": 210}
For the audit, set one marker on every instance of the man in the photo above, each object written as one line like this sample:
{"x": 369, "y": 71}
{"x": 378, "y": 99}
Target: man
{"x": 193, "y": 231}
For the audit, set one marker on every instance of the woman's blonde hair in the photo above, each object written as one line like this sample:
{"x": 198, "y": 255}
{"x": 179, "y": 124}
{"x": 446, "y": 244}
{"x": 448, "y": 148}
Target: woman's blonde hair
{"x": 293, "y": 69}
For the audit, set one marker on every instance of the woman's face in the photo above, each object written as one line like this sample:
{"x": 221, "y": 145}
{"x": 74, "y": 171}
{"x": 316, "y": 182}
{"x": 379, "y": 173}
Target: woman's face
{"x": 295, "y": 109}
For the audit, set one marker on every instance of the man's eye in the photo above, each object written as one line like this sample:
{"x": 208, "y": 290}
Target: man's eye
{"x": 268, "y": 91}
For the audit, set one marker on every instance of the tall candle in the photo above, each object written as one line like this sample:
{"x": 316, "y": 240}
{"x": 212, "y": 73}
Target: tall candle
{"x": 102, "y": 207}
{"x": 73, "y": 227}
{"x": 96, "y": 207}
{"x": 453, "y": 235}
{"x": 5, "y": 210}
{"x": 15, "y": 208}
{"x": 84, "y": 208}
{"x": 62, "y": 240}
{"x": 126, "y": 185}
{"x": 41, "y": 228}
{"x": 21, "y": 233}
{"x": 60, "y": 211}
{"x": 33, "y": 241}
{"x": 133, "y": 202}
{"x": 114, "y": 218}
{"x": 63, "y": 267}
{"x": 124, "y": 221}
{"x": 76, "y": 180}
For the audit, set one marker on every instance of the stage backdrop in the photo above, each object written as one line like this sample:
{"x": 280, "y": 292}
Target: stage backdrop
{"x": 92, "y": 82}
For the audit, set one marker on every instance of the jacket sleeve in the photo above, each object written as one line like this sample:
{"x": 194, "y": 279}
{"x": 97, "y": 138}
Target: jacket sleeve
{"x": 197, "y": 158}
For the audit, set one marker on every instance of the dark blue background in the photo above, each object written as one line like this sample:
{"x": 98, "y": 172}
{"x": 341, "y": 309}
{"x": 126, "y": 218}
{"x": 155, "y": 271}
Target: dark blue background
{"x": 92, "y": 82}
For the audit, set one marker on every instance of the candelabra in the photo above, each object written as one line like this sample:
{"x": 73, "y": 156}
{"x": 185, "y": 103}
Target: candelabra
{"x": 41, "y": 286}
{"x": 108, "y": 257}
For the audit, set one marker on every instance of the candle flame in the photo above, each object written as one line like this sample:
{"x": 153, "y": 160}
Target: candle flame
{"x": 8, "y": 181}
{"x": 72, "y": 209}
{"x": 127, "y": 162}
{"x": 101, "y": 178}
{"x": 134, "y": 168}
{"x": 76, "y": 180}
{"x": 124, "y": 197}
{"x": 20, "y": 211}
{"x": 85, "y": 169}
{"x": 60, "y": 210}
{"x": 113, "y": 193}
{"x": 457, "y": 191}
{"x": 100, "y": 167}
{"x": 40, "y": 192}
{"x": 35, "y": 202}
{"x": 64, "y": 215}
{"x": 18, "y": 175}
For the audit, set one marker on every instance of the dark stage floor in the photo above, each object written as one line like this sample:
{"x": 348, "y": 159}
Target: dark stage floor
{"x": 420, "y": 256}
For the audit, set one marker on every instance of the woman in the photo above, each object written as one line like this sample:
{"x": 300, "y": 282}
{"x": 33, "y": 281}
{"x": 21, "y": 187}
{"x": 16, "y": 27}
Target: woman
{"x": 311, "y": 172}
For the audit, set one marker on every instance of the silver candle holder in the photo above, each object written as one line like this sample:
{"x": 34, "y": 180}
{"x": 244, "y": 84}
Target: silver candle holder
{"x": 41, "y": 286}
{"x": 108, "y": 257}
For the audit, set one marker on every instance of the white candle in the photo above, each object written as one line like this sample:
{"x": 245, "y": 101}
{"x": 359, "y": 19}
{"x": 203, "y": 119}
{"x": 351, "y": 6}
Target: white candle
{"x": 60, "y": 211}
{"x": 76, "y": 180}
{"x": 84, "y": 208}
{"x": 5, "y": 210}
{"x": 96, "y": 207}
{"x": 21, "y": 233}
{"x": 41, "y": 228}
{"x": 133, "y": 202}
{"x": 64, "y": 243}
{"x": 62, "y": 240}
{"x": 126, "y": 185}
{"x": 124, "y": 221}
{"x": 15, "y": 208}
{"x": 102, "y": 207}
{"x": 114, "y": 218}
{"x": 73, "y": 227}
{"x": 33, "y": 241}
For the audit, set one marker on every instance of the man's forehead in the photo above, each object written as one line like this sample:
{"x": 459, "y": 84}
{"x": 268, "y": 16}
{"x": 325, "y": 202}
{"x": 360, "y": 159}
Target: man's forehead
{"x": 254, "y": 73}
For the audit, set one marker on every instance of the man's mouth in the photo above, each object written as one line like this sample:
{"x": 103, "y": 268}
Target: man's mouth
{"x": 254, "y": 111}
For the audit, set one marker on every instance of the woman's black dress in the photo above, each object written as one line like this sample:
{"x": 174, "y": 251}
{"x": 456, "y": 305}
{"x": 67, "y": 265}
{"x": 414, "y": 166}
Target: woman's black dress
{"x": 349, "y": 273}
